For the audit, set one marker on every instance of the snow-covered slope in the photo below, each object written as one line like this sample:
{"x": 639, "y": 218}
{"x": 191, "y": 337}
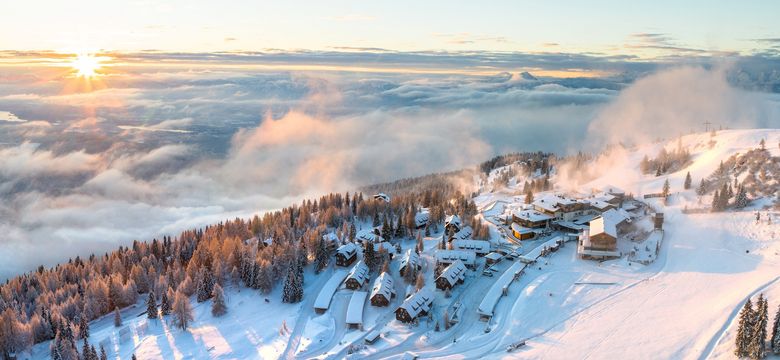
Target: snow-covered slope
{"x": 682, "y": 306}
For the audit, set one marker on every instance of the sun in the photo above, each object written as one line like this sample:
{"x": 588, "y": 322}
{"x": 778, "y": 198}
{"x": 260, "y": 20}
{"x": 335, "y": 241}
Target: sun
{"x": 86, "y": 65}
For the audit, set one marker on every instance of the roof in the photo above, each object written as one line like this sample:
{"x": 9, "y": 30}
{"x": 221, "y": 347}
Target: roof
{"x": 521, "y": 229}
{"x": 410, "y": 257}
{"x": 614, "y": 190}
{"x": 383, "y": 285}
{"x": 347, "y": 249}
{"x": 368, "y": 235}
{"x": 537, "y": 251}
{"x": 355, "y": 309}
{"x": 532, "y": 215}
{"x": 454, "y": 272}
{"x": 382, "y": 196}
{"x": 421, "y": 218}
{"x": 467, "y": 257}
{"x": 385, "y": 245}
{"x": 493, "y": 256}
{"x": 607, "y": 223}
{"x": 494, "y": 293}
{"x": 600, "y": 204}
{"x": 330, "y": 287}
{"x": 464, "y": 233}
{"x": 452, "y": 219}
{"x": 359, "y": 272}
{"x": 330, "y": 237}
{"x": 419, "y": 301}
{"x": 476, "y": 245}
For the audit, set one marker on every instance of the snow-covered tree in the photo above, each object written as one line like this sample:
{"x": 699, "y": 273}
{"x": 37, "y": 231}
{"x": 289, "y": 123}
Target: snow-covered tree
{"x": 702, "y": 189}
{"x": 757, "y": 346}
{"x": 117, "y": 317}
{"x": 688, "y": 180}
{"x": 182, "y": 311}
{"x": 369, "y": 256}
{"x": 83, "y": 327}
{"x": 744, "y": 330}
{"x": 151, "y": 306}
{"x": 205, "y": 284}
{"x": 293, "y": 289}
{"x": 775, "y": 340}
{"x": 741, "y": 200}
{"x": 165, "y": 304}
{"x": 103, "y": 355}
{"x": 218, "y": 307}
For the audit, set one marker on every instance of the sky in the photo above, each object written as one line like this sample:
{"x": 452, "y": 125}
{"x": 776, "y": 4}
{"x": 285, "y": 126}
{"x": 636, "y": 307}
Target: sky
{"x": 130, "y": 120}
{"x": 605, "y": 26}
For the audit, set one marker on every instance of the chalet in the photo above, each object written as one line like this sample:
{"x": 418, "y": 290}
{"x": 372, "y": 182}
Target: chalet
{"x": 531, "y": 219}
{"x": 383, "y": 290}
{"x": 355, "y": 309}
{"x": 358, "y": 276}
{"x": 599, "y": 241}
{"x": 346, "y": 254}
{"x": 560, "y": 207}
{"x": 479, "y": 247}
{"x": 446, "y": 257}
{"x": 388, "y": 247}
{"x": 415, "y": 305}
{"x": 421, "y": 219}
{"x": 382, "y": 197}
{"x": 410, "y": 260}
{"x": 368, "y": 235}
{"x": 452, "y": 275}
{"x": 601, "y": 204}
{"x": 452, "y": 224}
{"x": 522, "y": 233}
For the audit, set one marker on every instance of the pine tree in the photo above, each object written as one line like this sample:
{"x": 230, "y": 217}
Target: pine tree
{"x": 117, "y": 318}
{"x": 151, "y": 306}
{"x": 205, "y": 283}
{"x": 85, "y": 352}
{"x": 715, "y": 202}
{"x": 182, "y": 311}
{"x": 687, "y": 183}
{"x": 376, "y": 222}
{"x": 399, "y": 229}
{"x": 218, "y": 307}
{"x": 292, "y": 292}
{"x": 103, "y": 355}
{"x": 741, "y": 200}
{"x": 165, "y": 305}
{"x": 775, "y": 340}
{"x": 744, "y": 330}
{"x": 369, "y": 255}
{"x": 757, "y": 345}
{"x": 83, "y": 326}
{"x": 665, "y": 190}
{"x": 387, "y": 230}
{"x": 321, "y": 257}
{"x": 133, "y": 357}
{"x": 702, "y": 188}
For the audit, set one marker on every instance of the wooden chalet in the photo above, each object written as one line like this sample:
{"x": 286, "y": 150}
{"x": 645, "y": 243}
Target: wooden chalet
{"x": 452, "y": 275}
{"x": 358, "y": 276}
{"x": 411, "y": 260}
{"x": 383, "y": 290}
{"x": 479, "y": 247}
{"x": 417, "y": 304}
{"x": 346, "y": 254}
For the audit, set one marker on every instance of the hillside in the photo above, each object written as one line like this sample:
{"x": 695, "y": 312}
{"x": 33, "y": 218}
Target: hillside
{"x": 681, "y": 305}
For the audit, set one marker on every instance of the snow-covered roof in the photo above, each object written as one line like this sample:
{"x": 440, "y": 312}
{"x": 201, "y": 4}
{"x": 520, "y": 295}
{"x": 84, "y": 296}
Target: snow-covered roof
{"x": 383, "y": 285}
{"x": 382, "y": 196}
{"x": 347, "y": 250}
{"x": 330, "y": 237}
{"x": 521, "y": 229}
{"x": 419, "y": 301}
{"x": 355, "y": 308}
{"x": 359, "y": 272}
{"x": 368, "y": 235}
{"x": 384, "y": 245}
{"x": 480, "y": 246}
{"x": 493, "y": 256}
{"x": 454, "y": 272}
{"x": 614, "y": 190}
{"x": 607, "y": 223}
{"x": 494, "y": 293}
{"x": 600, "y": 204}
{"x": 452, "y": 219}
{"x": 532, "y": 215}
{"x": 330, "y": 287}
{"x": 464, "y": 233}
{"x": 537, "y": 251}
{"x": 448, "y": 256}
{"x": 411, "y": 258}
{"x": 421, "y": 218}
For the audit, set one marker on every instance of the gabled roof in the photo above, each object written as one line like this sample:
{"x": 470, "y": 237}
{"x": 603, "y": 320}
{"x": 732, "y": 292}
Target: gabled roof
{"x": 347, "y": 250}
{"x": 607, "y": 223}
{"x": 382, "y": 196}
{"x": 467, "y": 257}
{"x": 452, "y": 219}
{"x": 464, "y": 233}
{"x": 453, "y": 273}
{"x": 359, "y": 272}
{"x": 421, "y": 218}
{"x": 477, "y": 245}
{"x": 384, "y": 245}
{"x": 411, "y": 258}
{"x": 355, "y": 308}
{"x": 532, "y": 215}
{"x": 383, "y": 285}
{"x": 520, "y": 229}
{"x": 419, "y": 301}
{"x": 368, "y": 235}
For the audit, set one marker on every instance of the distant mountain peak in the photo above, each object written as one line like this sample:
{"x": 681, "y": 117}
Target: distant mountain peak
{"x": 527, "y": 76}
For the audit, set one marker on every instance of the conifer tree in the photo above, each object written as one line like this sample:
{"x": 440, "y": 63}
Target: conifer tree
{"x": 702, "y": 188}
{"x": 165, "y": 305}
{"x": 218, "y": 307}
{"x": 151, "y": 306}
{"x": 741, "y": 200}
{"x": 744, "y": 330}
{"x": 775, "y": 340}
{"x": 376, "y": 222}
{"x": 369, "y": 255}
{"x": 292, "y": 292}
{"x": 529, "y": 196}
{"x": 117, "y": 318}
{"x": 321, "y": 257}
{"x": 715, "y": 202}
{"x": 687, "y": 183}
{"x": 757, "y": 346}
{"x": 205, "y": 284}
{"x": 103, "y": 355}
{"x": 83, "y": 326}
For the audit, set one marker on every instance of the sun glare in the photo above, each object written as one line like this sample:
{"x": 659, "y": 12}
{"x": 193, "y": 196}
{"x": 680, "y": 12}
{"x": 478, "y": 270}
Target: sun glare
{"x": 86, "y": 65}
